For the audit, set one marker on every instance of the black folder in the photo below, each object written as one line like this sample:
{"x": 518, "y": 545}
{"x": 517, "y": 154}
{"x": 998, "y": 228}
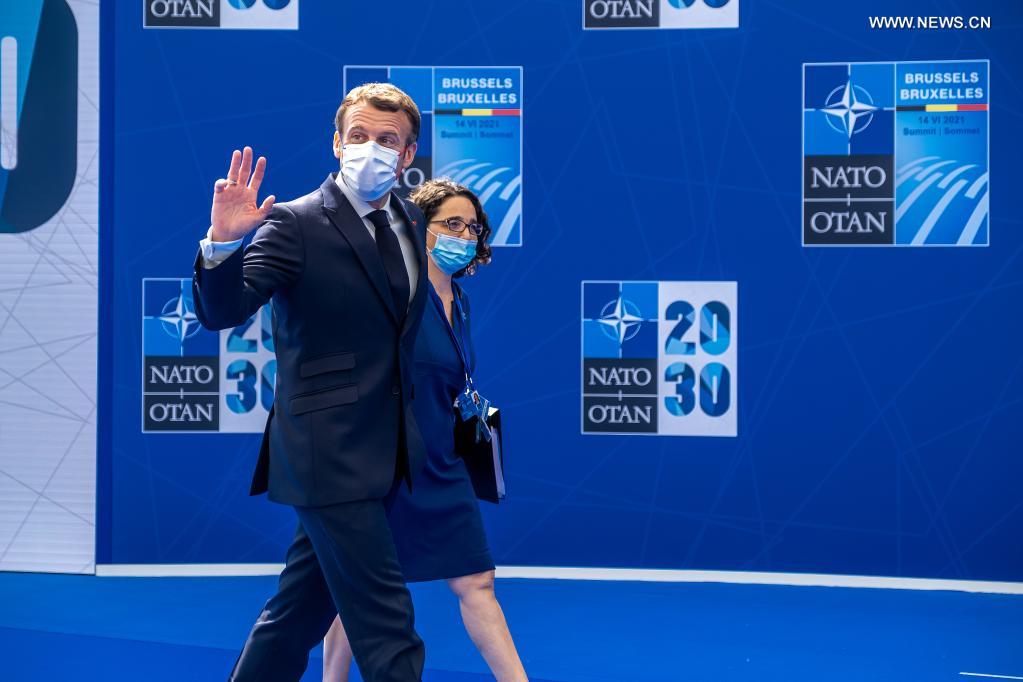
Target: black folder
{"x": 484, "y": 459}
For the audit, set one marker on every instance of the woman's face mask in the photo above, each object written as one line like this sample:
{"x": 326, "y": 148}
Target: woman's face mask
{"x": 451, "y": 254}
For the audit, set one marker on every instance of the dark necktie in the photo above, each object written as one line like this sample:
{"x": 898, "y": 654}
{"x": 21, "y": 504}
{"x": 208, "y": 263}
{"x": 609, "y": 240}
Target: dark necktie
{"x": 394, "y": 262}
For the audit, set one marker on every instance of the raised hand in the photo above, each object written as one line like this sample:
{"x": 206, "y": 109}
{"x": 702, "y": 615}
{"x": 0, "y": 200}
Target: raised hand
{"x": 235, "y": 212}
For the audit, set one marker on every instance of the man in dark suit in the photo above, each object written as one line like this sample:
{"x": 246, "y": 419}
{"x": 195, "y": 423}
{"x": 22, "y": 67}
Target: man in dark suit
{"x": 343, "y": 268}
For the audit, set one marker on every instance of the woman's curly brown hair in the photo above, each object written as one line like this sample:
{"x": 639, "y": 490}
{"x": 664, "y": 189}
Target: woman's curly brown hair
{"x": 432, "y": 193}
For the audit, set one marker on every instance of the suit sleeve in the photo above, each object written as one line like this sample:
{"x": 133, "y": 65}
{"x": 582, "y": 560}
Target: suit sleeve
{"x": 228, "y": 294}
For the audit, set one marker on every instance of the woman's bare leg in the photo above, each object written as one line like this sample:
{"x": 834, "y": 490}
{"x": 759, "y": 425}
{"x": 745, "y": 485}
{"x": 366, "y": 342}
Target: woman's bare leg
{"x": 485, "y": 623}
{"x": 337, "y": 654}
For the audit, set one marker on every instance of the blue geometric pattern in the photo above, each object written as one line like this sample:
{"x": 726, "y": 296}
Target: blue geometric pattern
{"x": 946, "y": 200}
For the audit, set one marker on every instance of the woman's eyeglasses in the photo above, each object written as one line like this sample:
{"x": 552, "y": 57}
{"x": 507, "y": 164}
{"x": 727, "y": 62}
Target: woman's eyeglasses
{"x": 457, "y": 225}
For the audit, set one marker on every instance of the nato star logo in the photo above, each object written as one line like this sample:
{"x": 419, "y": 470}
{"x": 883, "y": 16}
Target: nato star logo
{"x": 179, "y": 319}
{"x": 620, "y": 319}
{"x": 850, "y": 109}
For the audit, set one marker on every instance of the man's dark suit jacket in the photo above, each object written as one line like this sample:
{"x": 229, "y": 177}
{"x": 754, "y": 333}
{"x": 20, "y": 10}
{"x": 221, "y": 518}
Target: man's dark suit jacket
{"x": 342, "y": 420}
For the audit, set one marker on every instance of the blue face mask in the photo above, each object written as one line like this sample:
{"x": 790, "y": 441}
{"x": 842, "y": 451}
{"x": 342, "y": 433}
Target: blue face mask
{"x": 451, "y": 254}
{"x": 369, "y": 169}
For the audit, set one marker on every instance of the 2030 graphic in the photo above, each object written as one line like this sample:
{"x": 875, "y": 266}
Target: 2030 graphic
{"x": 659, "y": 358}
{"x": 38, "y": 111}
{"x": 199, "y": 380}
{"x": 236, "y": 14}
{"x": 605, "y": 14}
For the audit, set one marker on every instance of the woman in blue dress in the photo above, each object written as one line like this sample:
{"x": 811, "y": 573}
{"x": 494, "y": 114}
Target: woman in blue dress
{"x": 437, "y": 529}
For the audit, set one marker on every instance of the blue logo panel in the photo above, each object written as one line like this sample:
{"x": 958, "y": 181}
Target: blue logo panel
{"x": 659, "y": 358}
{"x": 665, "y": 14}
{"x": 471, "y": 132}
{"x": 619, "y": 320}
{"x": 232, "y": 14}
{"x": 180, "y": 383}
{"x": 169, "y": 323}
{"x": 199, "y": 380}
{"x": 895, "y": 153}
{"x": 942, "y": 154}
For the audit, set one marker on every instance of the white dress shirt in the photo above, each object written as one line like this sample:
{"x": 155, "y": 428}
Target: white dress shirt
{"x": 215, "y": 253}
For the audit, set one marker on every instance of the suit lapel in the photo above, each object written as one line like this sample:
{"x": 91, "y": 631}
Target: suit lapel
{"x": 343, "y": 216}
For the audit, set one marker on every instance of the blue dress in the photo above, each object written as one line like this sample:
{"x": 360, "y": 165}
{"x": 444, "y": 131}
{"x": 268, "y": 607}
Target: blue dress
{"x": 437, "y": 528}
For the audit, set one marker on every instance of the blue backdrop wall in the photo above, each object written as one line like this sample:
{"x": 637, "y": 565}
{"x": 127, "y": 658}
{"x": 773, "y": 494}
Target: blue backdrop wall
{"x": 875, "y": 392}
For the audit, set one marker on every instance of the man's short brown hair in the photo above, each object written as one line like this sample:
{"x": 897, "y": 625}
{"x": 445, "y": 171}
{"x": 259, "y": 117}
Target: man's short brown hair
{"x": 383, "y": 96}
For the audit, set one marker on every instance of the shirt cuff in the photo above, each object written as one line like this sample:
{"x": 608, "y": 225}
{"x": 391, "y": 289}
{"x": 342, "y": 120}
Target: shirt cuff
{"x": 215, "y": 253}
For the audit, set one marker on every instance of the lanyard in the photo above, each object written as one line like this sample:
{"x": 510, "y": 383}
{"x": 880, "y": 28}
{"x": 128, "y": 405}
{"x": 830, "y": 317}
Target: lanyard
{"x": 469, "y": 403}
{"x": 461, "y": 344}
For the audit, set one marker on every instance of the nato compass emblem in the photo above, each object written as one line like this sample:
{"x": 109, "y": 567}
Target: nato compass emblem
{"x": 179, "y": 319}
{"x": 849, "y": 109}
{"x": 621, "y": 319}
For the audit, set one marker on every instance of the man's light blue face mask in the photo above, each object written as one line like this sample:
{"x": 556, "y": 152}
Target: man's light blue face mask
{"x": 369, "y": 169}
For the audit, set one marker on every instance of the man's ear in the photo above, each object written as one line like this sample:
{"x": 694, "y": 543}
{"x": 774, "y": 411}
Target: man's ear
{"x": 337, "y": 145}
{"x": 410, "y": 154}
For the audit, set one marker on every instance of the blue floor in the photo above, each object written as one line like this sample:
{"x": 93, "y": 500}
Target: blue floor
{"x": 85, "y": 628}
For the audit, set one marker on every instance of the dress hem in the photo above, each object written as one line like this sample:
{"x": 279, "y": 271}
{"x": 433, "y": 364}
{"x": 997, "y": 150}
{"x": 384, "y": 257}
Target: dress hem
{"x": 485, "y": 563}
